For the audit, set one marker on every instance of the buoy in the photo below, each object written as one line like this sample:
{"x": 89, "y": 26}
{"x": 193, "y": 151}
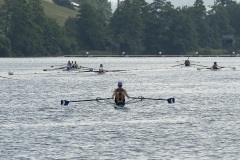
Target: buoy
{"x": 10, "y": 73}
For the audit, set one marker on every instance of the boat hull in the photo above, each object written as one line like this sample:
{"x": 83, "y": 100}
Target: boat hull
{"x": 119, "y": 106}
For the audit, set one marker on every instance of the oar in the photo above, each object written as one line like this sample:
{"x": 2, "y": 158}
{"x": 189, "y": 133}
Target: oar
{"x": 114, "y": 70}
{"x": 204, "y": 68}
{"x": 58, "y": 65}
{"x": 48, "y": 69}
{"x": 66, "y": 102}
{"x": 229, "y": 67}
{"x": 5, "y": 77}
{"x": 85, "y": 67}
{"x": 104, "y": 71}
{"x": 194, "y": 61}
{"x": 200, "y": 65}
{"x": 177, "y": 65}
{"x": 140, "y": 69}
{"x": 54, "y": 69}
{"x": 180, "y": 61}
{"x": 169, "y": 100}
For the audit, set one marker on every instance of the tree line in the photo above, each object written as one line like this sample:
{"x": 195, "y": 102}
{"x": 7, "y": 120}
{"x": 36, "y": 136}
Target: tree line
{"x": 135, "y": 27}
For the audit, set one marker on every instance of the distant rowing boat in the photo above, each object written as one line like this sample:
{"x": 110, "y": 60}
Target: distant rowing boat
{"x": 217, "y": 69}
{"x": 209, "y": 69}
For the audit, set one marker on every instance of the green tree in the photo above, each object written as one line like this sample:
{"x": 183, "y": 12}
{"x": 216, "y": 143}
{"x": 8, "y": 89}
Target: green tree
{"x": 126, "y": 27}
{"x": 183, "y": 35}
{"x": 5, "y": 50}
{"x": 160, "y": 14}
{"x": 5, "y": 14}
{"x": 71, "y": 35}
{"x": 53, "y": 38}
{"x": 220, "y": 25}
{"x": 198, "y": 14}
{"x": 28, "y": 30}
{"x": 92, "y": 29}
{"x": 234, "y": 16}
{"x": 23, "y": 33}
{"x": 104, "y": 8}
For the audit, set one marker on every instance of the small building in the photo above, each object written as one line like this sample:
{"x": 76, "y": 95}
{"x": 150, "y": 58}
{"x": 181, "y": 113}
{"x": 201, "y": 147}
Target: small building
{"x": 75, "y": 4}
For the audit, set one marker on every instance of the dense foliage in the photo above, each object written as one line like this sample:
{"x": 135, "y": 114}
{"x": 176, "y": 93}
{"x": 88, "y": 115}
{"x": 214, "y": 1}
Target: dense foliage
{"x": 135, "y": 27}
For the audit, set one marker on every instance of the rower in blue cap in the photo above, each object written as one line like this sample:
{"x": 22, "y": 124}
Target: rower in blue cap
{"x": 120, "y": 94}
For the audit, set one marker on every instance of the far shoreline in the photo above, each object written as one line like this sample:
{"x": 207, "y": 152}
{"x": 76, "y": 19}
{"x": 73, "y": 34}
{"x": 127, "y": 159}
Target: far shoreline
{"x": 151, "y": 55}
{"x": 129, "y": 56}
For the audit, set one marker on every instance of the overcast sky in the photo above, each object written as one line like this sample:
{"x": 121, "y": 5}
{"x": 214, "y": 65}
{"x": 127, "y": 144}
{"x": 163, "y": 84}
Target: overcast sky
{"x": 176, "y": 3}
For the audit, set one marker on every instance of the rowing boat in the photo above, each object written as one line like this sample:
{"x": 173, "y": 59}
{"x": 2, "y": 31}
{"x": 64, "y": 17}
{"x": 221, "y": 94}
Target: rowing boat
{"x": 78, "y": 69}
{"x": 99, "y": 72}
{"x": 119, "y": 106}
{"x": 215, "y": 69}
{"x": 210, "y": 69}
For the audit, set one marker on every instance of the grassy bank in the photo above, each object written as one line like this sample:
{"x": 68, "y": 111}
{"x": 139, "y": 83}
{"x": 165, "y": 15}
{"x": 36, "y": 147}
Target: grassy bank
{"x": 55, "y": 11}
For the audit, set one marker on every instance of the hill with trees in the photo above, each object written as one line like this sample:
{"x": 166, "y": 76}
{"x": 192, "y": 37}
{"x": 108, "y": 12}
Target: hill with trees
{"x": 59, "y": 13}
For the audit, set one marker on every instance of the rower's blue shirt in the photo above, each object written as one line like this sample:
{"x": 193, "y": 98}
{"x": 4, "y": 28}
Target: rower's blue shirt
{"x": 68, "y": 68}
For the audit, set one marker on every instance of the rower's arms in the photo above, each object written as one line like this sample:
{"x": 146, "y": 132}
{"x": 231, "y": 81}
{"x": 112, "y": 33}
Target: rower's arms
{"x": 126, "y": 94}
{"x": 114, "y": 93}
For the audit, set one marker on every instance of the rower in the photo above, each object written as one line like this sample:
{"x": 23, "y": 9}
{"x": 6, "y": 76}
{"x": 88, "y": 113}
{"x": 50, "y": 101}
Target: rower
{"x": 75, "y": 65}
{"x": 187, "y": 62}
{"x": 120, "y": 94}
{"x": 69, "y": 66}
{"x": 215, "y": 66}
{"x": 101, "y": 69}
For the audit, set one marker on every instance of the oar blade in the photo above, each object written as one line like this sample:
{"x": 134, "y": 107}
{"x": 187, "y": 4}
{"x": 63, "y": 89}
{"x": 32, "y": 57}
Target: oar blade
{"x": 65, "y": 102}
{"x": 171, "y": 100}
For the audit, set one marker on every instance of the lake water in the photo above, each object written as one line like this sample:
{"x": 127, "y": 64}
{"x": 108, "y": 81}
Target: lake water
{"x": 203, "y": 123}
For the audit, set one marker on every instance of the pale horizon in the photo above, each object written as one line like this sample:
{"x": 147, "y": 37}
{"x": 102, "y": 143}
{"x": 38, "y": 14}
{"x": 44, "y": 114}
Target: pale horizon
{"x": 176, "y": 3}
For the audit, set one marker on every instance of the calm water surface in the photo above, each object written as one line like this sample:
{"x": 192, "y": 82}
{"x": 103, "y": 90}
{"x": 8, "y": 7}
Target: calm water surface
{"x": 204, "y": 123}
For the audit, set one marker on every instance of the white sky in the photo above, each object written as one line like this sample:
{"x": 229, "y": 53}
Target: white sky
{"x": 176, "y": 3}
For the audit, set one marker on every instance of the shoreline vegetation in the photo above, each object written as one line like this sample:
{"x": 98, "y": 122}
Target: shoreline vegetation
{"x": 41, "y": 28}
{"x": 132, "y": 56}
{"x": 151, "y": 56}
